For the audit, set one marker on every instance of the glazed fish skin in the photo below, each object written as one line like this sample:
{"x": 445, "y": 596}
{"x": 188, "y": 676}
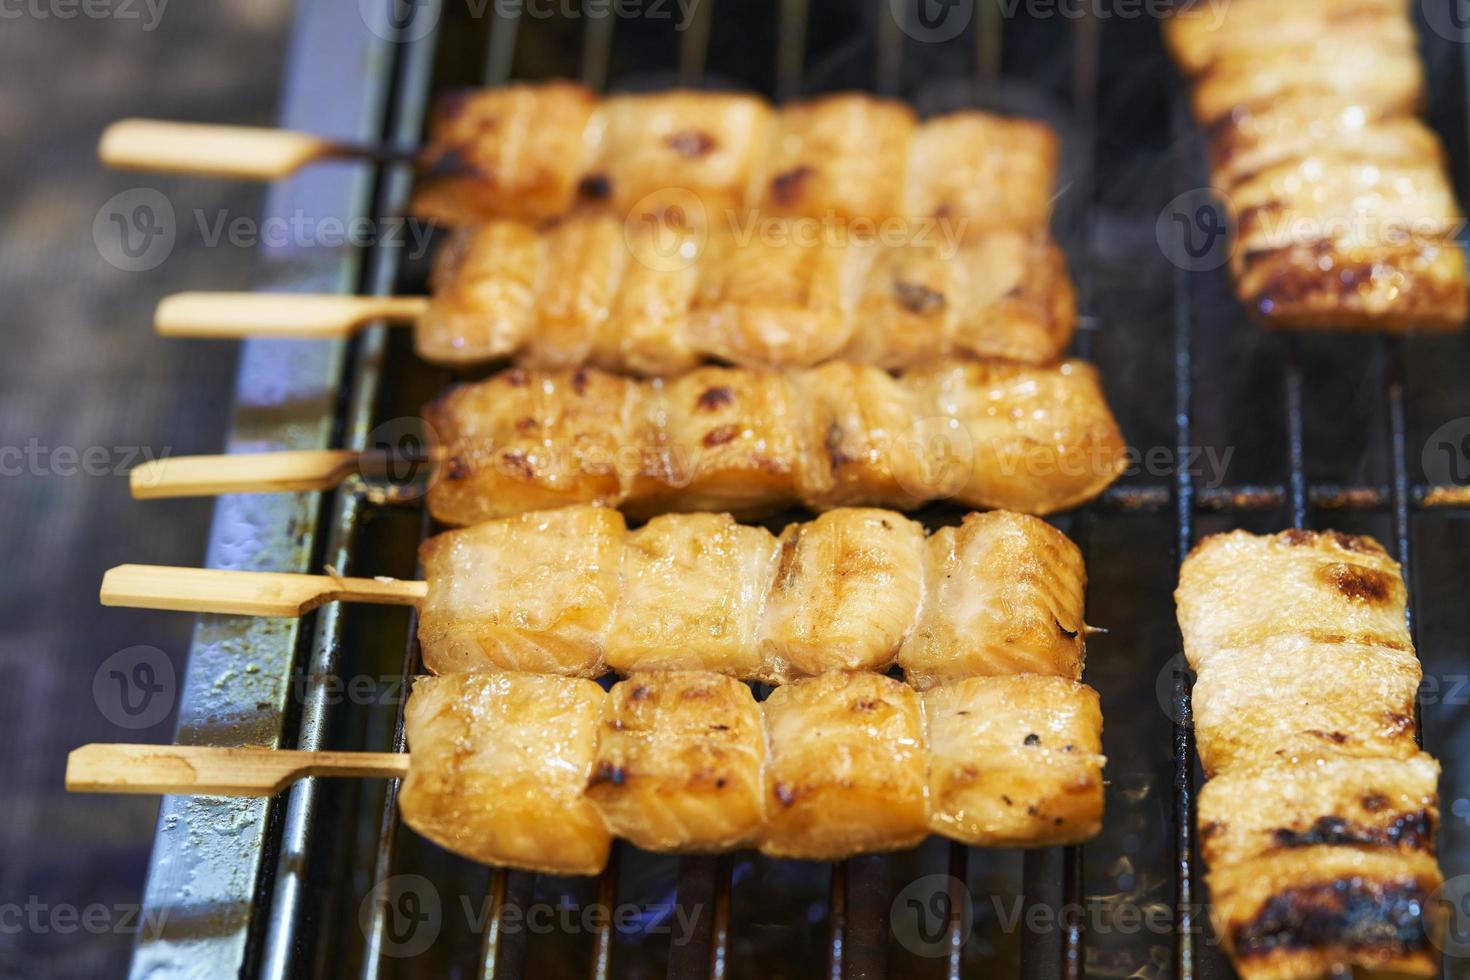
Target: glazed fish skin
{"x": 1381, "y": 803}
{"x": 716, "y": 156}
{"x": 1015, "y": 761}
{"x": 492, "y": 755}
{"x": 845, "y": 770}
{"x": 679, "y": 762}
{"x": 1299, "y": 913}
{"x": 535, "y": 593}
{"x": 844, "y": 595}
{"x": 693, "y": 591}
{"x": 1324, "y": 699}
{"x": 1238, "y": 589}
{"x": 1004, "y": 595}
{"x": 987, "y": 435}
{"x": 658, "y": 300}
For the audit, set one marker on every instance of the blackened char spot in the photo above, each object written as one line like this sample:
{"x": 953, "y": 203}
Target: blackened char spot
{"x": 720, "y": 435}
{"x": 1356, "y": 913}
{"x": 1069, "y": 634}
{"x": 1033, "y": 739}
{"x": 451, "y": 161}
{"x": 457, "y": 468}
{"x": 606, "y": 772}
{"x": 786, "y": 187}
{"x": 1411, "y": 830}
{"x": 690, "y": 142}
{"x": 1374, "y": 802}
{"x": 918, "y": 298}
{"x": 1338, "y": 737}
{"x": 640, "y": 692}
{"x": 579, "y": 381}
{"x": 833, "y": 444}
{"x": 517, "y": 377}
{"x": 712, "y": 398}
{"x": 1358, "y": 582}
{"x": 516, "y": 462}
{"x": 785, "y": 795}
{"x": 594, "y": 187}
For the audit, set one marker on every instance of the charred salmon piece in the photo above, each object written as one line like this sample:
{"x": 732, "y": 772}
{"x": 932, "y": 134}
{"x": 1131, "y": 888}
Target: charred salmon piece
{"x": 1304, "y": 912}
{"x": 1288, "y": 700}
{"x": 844, "y": 595}
{"x": 534, "y": 593}
{"x": 497, "y": 767}
{"x": 976, "y": 172}
{"x": 679, "y": 760}
{"x": 693, "y": 591}
{"x": 515, "y": 151}
{"x": 1204, "y": 32}
{"x": 1392, "y": 804}
{"x": 1015, "y": 761}
{"x": 1238, "y": 589}
{"x": 845, "y": 772}
{"x": 1003, "y": 595}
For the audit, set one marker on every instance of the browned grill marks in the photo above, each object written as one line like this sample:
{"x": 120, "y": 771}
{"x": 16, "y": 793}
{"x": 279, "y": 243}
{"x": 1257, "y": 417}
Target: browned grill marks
{"x": 786, "y": 187}
{"x": 712, "y": 398}
{"x": 1358, "y": 582}
{"x": 690, "y": 143}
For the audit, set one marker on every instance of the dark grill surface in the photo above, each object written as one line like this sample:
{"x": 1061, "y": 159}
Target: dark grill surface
{"x": 1320, "y": 432}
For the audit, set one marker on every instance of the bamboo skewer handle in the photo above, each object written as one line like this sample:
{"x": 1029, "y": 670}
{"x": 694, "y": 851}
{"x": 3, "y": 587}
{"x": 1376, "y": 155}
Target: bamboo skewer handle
{"x": 212, "y": 771}
{"x": 308, "y": 316}
{"x": 248, "y": 152}
{"x": 212, "y": 590}
{"x": 209, "y": 476}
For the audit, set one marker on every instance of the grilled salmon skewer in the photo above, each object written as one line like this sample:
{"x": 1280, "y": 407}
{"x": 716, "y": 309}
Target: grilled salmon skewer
{"x": 540, "y": 773}
{"x": 659, "y": 300}
{"x": 987, "y": 434}
{"x": 533, "y": 152}
{"x": 1319, "y": 816}
{"x": 572, "y": 591}
{"x": 1346, "y": 219}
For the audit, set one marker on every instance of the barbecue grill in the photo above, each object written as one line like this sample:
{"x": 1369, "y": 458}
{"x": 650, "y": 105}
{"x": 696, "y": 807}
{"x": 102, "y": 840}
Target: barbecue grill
{"x": 1323, "y": 431}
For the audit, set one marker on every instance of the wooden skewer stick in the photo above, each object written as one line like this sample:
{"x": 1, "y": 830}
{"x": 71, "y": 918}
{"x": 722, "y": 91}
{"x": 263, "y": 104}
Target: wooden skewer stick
{"x": 247, "y": 152}
{"x": 282, "y": 472}
{"x": 212, "y": 590}
{"x": 200, "y": 770}
{"x": 309, "y": 316}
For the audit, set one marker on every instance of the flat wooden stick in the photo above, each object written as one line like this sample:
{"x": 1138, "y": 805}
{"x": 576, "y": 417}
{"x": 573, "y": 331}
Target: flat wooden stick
{"x": 200, "y": 770}
{"x": 305, "y": 315}
{"x": 212, "y": 590}
{"x": 248, "y": 152}
{"x": 209, "y": 476}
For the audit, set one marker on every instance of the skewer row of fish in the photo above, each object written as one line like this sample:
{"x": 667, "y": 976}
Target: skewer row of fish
{"x": 1346, "y": 219}
{"x": 660, "y": 299}
{"x": 572, "y": 591}
{"x": 985, "y": 434}
{"x": 1319, "y": 815}
{"x": 541, "y": 772}
{"x": 532, "y": 152}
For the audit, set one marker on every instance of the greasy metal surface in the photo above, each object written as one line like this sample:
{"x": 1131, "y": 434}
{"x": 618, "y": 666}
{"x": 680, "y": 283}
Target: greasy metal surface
{"x": 208, "y": 869}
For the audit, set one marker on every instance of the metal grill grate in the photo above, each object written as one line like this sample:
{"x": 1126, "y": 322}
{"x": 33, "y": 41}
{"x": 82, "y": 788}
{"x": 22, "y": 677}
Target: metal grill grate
{"x": 1182, "y": 369}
